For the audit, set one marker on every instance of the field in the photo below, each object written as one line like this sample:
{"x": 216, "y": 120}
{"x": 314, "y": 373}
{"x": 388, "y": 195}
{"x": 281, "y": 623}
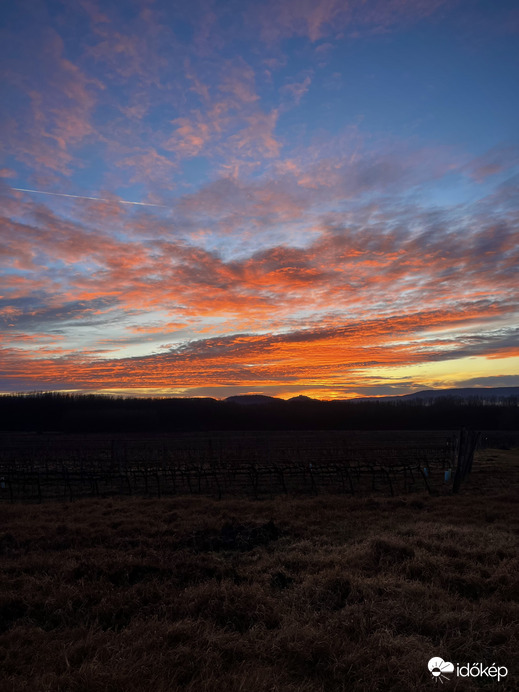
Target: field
{"x": 295, "y": 592}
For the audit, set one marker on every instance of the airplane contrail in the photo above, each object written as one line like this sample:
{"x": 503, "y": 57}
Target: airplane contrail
{"x": 97, "y": 199}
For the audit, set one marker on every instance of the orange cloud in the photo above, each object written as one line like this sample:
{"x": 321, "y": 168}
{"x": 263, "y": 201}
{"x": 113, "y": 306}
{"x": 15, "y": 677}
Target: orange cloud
{"x": 328, "y": 356}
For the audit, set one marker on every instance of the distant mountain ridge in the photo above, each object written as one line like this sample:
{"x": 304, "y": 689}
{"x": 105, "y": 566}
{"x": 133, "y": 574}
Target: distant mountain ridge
{"x": 261, "y": 399}
{"x": 251, "y": 399}
{"x": 480, "y": 393}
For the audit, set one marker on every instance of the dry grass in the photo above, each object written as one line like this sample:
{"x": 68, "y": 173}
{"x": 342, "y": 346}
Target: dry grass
{"x": 309, "y": 595}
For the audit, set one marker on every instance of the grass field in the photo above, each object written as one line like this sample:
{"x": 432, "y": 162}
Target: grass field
{"x": 297, "y": 594}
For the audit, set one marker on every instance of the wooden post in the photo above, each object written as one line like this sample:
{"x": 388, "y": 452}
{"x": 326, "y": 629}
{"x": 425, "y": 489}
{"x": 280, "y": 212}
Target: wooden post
{"x": 350, "y": 480}
{"x": 254, "y": 478}
{"x": 468, "y": 442}
{"x": 424, "y": 476}
{"x": 459, "y": 465}
{"x": 388, "y": 477}
{"x": 473, "y": 444}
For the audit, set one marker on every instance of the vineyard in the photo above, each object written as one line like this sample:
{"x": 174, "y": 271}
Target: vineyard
{"x": 44, "y": 467}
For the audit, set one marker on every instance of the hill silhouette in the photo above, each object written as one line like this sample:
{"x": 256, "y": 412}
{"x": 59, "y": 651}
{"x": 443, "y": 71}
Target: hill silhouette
{"x": 486, "y": 394}
{"x": 45, "y": 412}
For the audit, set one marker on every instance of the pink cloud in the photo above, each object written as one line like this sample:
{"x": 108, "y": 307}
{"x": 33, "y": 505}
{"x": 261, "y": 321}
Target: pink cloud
{"x": 130, "y": 48}
{"x": 493, "y": 162}
{"x": 257, "y": 138}
{"x": 238, "y": 80}
{"x": 189, "y": 136}
{"x": 151, "y": 166}
{"x": 296, "y": 90}
{"x": 325, "y": 18}
{"x": 60, "y": 114}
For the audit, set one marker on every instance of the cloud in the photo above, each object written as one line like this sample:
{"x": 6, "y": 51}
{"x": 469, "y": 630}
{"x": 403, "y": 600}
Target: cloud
{"x": 325, "y": 18}
{"x": 238, "y": 80}
{"x": 151, "y": 166}
{"x": 331, "y": 356}
{"x": 491, "y": 381}
{"x": 493, "y": 162}
{"x": 286, "y": 255}
{"x": 385, "y": 254}
{"x": 189, "y": 137}
{"x": 60, "y": 114}
{"x": 296, "y": 90}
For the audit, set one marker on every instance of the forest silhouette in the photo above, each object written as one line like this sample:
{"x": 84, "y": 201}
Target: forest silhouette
{"x": 85, "y": 413}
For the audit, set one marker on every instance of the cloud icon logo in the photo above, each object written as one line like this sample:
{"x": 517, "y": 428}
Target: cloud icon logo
{"x": 438, "y": 667}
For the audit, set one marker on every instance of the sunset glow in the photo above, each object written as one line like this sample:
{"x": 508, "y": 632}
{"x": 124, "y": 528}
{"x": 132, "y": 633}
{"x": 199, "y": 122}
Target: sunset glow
{"x": 283, "y": 198}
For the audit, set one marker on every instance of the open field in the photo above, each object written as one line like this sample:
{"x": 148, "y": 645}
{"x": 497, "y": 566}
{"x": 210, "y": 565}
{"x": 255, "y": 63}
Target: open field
{"x": 308, "y": 594}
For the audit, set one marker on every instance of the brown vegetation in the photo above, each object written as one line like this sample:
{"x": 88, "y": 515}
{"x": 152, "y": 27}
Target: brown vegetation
{"x": 298, "y": 594}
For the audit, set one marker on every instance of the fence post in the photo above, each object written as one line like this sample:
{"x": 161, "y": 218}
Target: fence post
{"x": 468, "y": 442}
{"x": 461, "y": 451}
{"x": 424, "y": 476}
{"x": 473, "y": 444}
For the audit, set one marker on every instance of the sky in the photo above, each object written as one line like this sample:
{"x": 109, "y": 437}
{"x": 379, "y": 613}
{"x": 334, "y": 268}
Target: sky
{"x": 281, "y": 197}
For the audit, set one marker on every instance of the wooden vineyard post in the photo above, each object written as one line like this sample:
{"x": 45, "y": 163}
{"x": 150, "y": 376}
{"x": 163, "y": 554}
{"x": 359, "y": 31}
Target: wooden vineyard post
{"x": 67, "y": 483}
{"x": 424, "y": 476}
{"x": 281, "y": 476}
{"x": 128, "y": 480}
{"x": 253, "y": 477}
{"x": 473, "y": 444}
{"x": 39, "y": 486}
{"x": 312, "y": 480}
{"x": 467, "y": 447}
{"x": 350, "y": 480}
{"x": 217, "y": 482}
{"x": 388, "y": 478}
{"x": 459, "y": 466}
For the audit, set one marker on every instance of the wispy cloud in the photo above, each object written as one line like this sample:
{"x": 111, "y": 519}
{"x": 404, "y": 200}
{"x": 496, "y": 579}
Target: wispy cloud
{"x": 317, "y": 20}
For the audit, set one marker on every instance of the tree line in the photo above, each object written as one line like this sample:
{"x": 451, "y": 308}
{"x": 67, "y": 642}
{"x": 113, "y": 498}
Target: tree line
{"x": 85, "y": 413}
